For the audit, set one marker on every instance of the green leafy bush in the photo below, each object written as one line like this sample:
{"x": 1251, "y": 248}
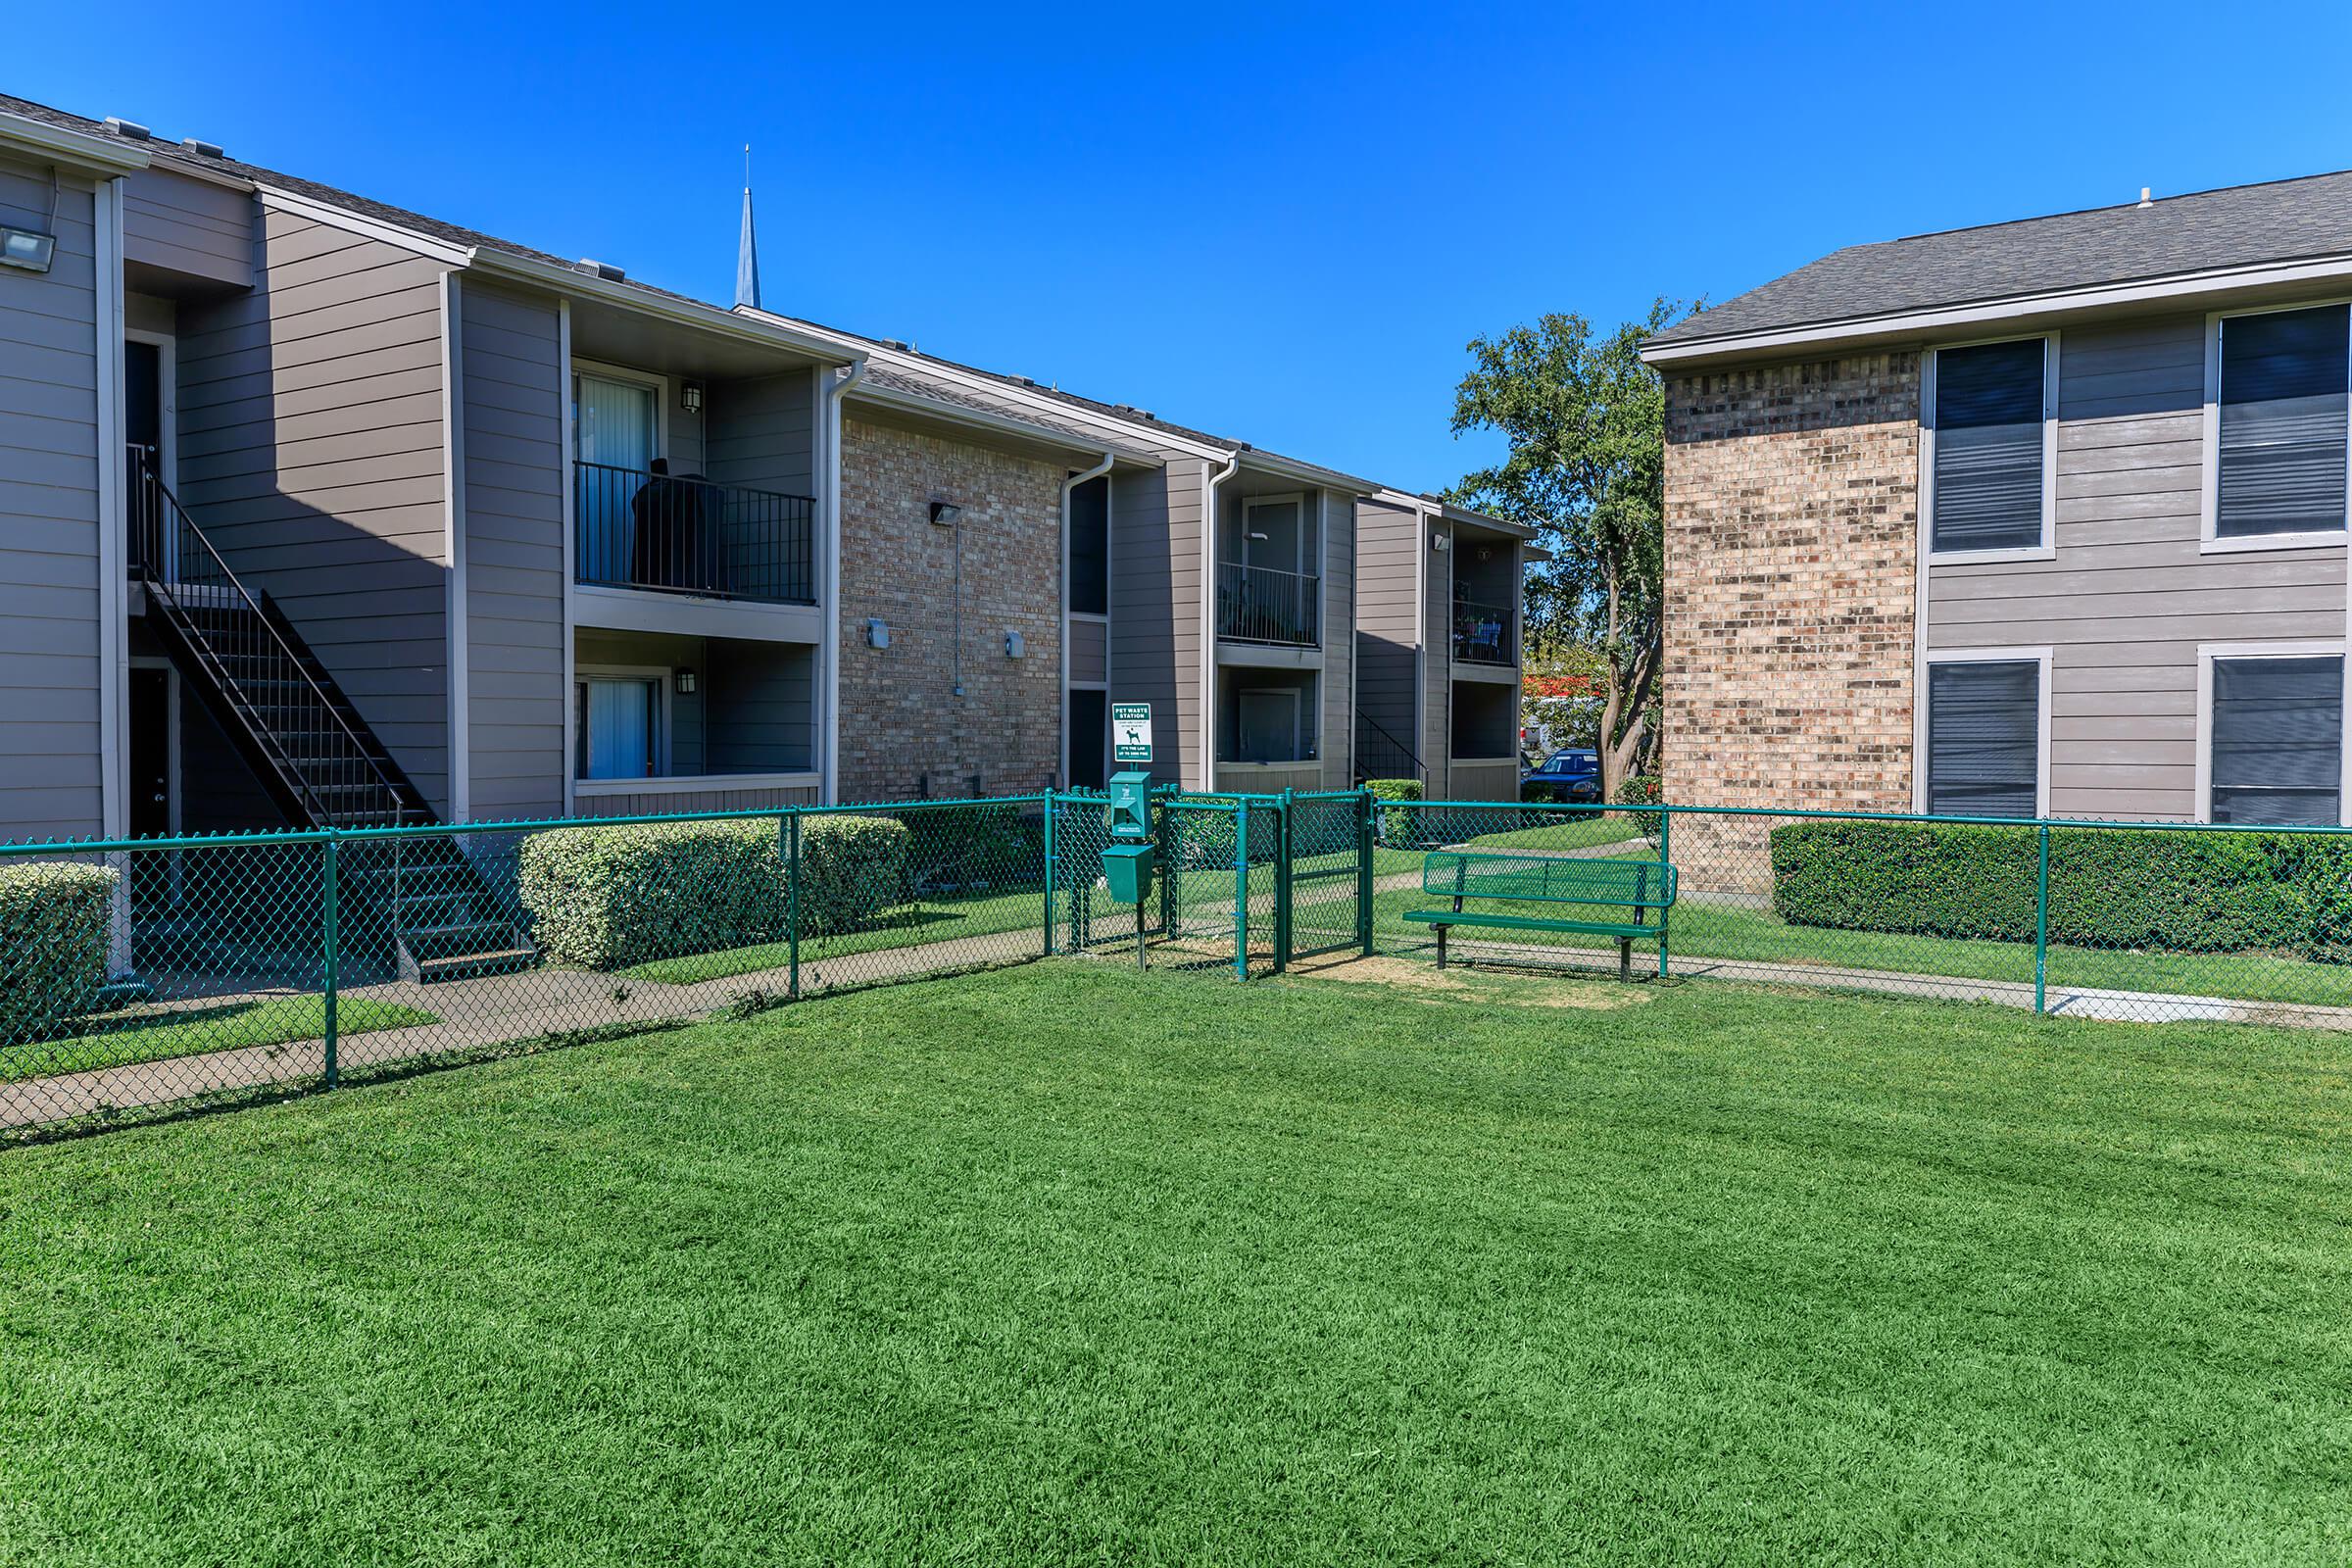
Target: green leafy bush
{"x": 608, "y": 897}
{"x": 55, "y": 920}
{"x": 956, "y": 849}
{"x": 1643, "y": 789}
{"x": 2173, "y": 891}
{"x": 1399, "y": 826}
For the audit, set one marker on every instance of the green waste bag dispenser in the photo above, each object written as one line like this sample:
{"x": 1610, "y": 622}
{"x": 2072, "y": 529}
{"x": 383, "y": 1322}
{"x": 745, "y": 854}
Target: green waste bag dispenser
{"x": 1128, "y": 860}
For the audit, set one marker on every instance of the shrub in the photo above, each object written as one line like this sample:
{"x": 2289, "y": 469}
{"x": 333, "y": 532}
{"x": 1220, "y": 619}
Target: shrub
{"x": 953, "y": 849}
{"x": 56, "y": 922}
{"x": 608, "y": 897}
{"x": 1398, "y": 826}
{"x": 1641, "y": 790}
{"x": 2176, "y": 892}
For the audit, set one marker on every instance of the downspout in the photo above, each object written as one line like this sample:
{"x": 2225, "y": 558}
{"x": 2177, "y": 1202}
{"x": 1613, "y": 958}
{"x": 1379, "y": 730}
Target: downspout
{"x": 829, "y": 642}
{"x": 1210, "y": 521}
{"x": 1070, "y": 485}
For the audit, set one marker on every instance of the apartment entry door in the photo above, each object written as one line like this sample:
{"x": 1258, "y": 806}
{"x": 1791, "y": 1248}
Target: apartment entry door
{"x": 143, "y": 429}
{"x": 151, "y": 782}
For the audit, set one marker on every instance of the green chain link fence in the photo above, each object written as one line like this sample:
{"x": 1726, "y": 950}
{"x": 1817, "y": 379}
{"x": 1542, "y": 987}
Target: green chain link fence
{"x": 159, "y": 973}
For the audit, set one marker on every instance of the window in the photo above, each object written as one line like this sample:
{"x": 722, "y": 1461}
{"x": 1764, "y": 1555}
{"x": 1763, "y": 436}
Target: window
{"x": 614, "y": 427}
{"x": 619, "y": 727}
{"x": 2279, "y": 442}
{"x": 1090, "y": 547}
{"x": 2277, "y": 739}
{"x": 1991, "y": 432}
{"x": 1984, "y": 737}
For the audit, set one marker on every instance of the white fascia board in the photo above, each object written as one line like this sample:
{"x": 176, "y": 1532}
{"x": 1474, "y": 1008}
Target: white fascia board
{"x": 77, "y": 150}
{"x": 2178, "y": 288}
{"x": 1306, "y": 472}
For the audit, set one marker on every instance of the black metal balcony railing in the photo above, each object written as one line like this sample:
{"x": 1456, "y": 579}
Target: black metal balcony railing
{"x": 1261, "y": 605}
{"x": 681, "y": 533}
{"x": 1484, "y": 634}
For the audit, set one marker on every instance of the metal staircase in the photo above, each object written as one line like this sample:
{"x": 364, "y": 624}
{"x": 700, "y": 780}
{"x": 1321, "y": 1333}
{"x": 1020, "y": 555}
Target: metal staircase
{"x": 309, "y": 747}
{"x": 1381, "y": 754}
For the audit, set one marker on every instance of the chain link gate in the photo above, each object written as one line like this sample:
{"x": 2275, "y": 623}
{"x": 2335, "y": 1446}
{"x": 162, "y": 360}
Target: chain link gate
{"x": 1325, "y": 902}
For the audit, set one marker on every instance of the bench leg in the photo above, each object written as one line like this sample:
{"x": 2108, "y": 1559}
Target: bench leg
{"x": 1625, "y": 958}
{"x": 1442, "y": 930}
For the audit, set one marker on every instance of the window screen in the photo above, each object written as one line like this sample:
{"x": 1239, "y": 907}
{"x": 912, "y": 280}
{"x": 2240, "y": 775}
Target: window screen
{"x": 1988, "y": 414}
{"x": 1984, "y": 738}
{"x": 2278, "y": 739}
{"x": 1090, "y": 547}
{"x": 2282, "y": 423}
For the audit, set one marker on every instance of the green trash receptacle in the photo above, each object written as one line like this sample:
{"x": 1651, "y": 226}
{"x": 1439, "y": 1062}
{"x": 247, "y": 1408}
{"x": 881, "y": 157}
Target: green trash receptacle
{"x": 1127, "y": 870}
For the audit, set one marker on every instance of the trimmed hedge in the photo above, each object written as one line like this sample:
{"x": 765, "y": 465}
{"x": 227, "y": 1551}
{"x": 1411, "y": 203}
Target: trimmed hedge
{"x": 56, "y": 922}
{"x": 605, "y": 898}
{"x": 1399, "y": 826}
{"x": 2173, "y": 892}
{"x": 1643, "y": 789}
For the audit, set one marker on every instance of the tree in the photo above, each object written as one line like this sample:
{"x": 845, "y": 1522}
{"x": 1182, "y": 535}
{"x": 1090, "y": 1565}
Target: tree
{"x": 1586, "y": 425}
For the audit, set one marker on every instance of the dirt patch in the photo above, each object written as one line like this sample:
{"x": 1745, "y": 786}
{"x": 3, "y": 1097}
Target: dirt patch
{"x": 1504, "y": 989}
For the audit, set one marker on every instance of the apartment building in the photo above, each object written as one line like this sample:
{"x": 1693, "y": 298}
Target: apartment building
{"x": 315, "y": 509}
{"x": 2045, "y": 517}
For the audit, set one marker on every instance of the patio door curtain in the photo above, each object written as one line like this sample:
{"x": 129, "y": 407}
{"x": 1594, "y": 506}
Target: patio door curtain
{"x": 612, "y": 425}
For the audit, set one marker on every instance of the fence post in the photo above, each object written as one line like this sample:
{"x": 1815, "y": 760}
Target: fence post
{"x": 1364, "y": 871}
{"x": 332, "y": 956}
{"x": 1282, "y": 884}
{"x": 792, "y": 899}
{"x": 1048, "y": 872}
{"x": 2042, "y": 927}
{"x": 1241, "y": 887}
{"x": 1665, "y": 831}
{"x": 1166, "y": 828}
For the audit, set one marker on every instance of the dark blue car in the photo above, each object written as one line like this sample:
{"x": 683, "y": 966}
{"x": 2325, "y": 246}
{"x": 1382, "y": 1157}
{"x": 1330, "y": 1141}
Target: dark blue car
{"x": 1572, "y": 775}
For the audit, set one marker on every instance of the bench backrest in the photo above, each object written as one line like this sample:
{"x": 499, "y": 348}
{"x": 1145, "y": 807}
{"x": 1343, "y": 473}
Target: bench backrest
{"x": 1548, "y": 880}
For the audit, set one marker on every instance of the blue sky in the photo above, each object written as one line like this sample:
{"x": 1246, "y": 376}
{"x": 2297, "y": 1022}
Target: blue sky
{"x": 1280, "y": 224}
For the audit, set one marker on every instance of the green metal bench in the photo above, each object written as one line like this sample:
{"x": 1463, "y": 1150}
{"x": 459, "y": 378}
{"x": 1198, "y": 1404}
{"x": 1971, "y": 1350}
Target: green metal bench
{"x": 1641, "y": 888}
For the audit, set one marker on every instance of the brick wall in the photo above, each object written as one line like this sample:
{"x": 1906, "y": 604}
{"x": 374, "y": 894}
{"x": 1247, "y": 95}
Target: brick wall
{"x": 899, "y": 717}
{"x": 1791, "y": 514}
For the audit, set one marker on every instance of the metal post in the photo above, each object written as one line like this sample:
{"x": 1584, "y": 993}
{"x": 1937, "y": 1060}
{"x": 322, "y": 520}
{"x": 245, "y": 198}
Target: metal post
{"x": 1364, "y": 871}
{"x": 332, "y": 956}
{"x": 1241, "y": 888}
{"x": 1665, "y": 831}
{"x": 1166, "y": 827}
{"x": 2042, "y": 927}
{"x": 1282, "y": 884}
{"x": 792, "y": 898}
{"x": 1048, "y": 873}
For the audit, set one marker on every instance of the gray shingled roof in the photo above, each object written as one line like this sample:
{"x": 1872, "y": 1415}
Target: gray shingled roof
{"x": 2284, "y": 220}
{"x": 168, "y": 153}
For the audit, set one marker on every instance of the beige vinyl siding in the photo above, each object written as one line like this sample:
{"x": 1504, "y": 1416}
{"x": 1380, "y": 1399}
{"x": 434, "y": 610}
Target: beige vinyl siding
{"x": 511, "y": 387}
{"x": 1090, "y": 652}
{"x": 49, "y": 520}
{"x": 1482, "y": 781}
{"x": 1338, "y": 746}
{"x": 310, "y": 454}
{"x": 1388, "y": 622}
{"x": 2129, "y": 597}
{"x": 192, "y": 228}
{"x": 1155, "y": 608}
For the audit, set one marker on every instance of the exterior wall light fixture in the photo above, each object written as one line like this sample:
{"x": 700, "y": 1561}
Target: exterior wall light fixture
{"x": 690, "y": 396}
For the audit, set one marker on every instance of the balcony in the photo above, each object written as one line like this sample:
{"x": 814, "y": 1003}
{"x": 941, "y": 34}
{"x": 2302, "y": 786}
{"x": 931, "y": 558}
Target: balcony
{"x": 1261, "y": 605}
{"x": 683, "y": 534}
{"x": 1484, "y": 634}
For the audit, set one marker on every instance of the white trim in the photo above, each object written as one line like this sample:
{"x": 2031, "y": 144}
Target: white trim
{"x": 1983, "y": 314}
{"x": 1069, "y": 488}
{"x": 459, "y": 749}
{"x": 79, "y": 150}
{"x": 2307, "y": 647}
{"x": 572, "y": 566}
{"x": 275, "y": 200}
{"x": 114, "y": 589}
{"x": 2209, "y": 506}
{"x": 1210, "y": 484}
{"x": 695, "y": 783}
{"x": 2047, "y": 549}
{"x": 664, "y": 388}
{"x": 659, "y": 676}
{"x": 1421, "y": 554}
{"x": 833, "y": 388}
{"x": 2040, "y": 656}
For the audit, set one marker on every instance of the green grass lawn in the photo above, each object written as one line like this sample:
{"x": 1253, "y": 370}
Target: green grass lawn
{"x": 1063, "y": 1264}
{"x": 1701, "y": 929}
{"x": 909, "y": 925}
{"x": 111, "y": 1039}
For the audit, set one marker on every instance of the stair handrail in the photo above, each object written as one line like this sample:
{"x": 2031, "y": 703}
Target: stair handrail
{"x": 1411, "y": 756}
{"x": 157, "y": 580}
